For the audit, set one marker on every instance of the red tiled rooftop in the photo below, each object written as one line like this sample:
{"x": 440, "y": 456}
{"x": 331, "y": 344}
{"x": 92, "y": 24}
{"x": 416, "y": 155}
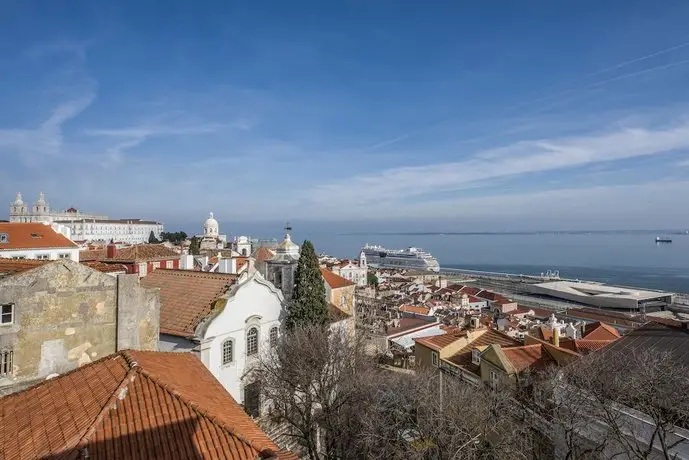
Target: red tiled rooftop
{"x": 600, "y": 331}
{"x": 584, "y": 346}
{"x": 438, "y": 342}
{"x": 528, "y": 357}
{"x": 470, "y": 290}
{"x": 32, "y": 236}
{"x": 415, "y": 309}
{"x": 490, "y": 337}
{"x": 186, "y": 297}
{"x": 13, "y": 266}
{"x": 132, "y": 404}
{"x": 334, "y": 280}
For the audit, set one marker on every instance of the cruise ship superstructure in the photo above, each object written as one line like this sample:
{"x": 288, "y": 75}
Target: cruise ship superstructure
{"x": 410, "y": 258}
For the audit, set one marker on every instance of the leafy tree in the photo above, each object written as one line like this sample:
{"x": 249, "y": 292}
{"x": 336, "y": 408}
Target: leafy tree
{"x": 309, "y": 306}
{"x": 173, "y": 237}
{"x": 371, "y": 279}
{"x": 152, "y": 238}
{"x": 195, "y": 246}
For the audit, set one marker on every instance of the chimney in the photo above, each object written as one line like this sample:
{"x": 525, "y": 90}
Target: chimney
{"x": 556, "y": 337}
{"x": 111, "y": 250}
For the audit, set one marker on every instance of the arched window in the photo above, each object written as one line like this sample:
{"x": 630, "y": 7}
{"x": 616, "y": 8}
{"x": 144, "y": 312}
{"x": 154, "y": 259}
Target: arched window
{"x": 227, "y": 352}
{"x": 252, "y": 341}
{"x": 244, "y": 252}
{"x": 273, "y": 336}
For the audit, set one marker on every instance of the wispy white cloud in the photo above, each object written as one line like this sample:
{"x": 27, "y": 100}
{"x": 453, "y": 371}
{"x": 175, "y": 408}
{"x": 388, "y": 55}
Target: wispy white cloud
{"x": 31, "y": 144}
{"x": 519, "y": 158}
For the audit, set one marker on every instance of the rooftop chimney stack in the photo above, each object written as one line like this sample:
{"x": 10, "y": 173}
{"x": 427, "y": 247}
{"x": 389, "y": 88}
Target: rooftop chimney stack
{"x": 111, "y": 250}
{"x": 556, "y": 337}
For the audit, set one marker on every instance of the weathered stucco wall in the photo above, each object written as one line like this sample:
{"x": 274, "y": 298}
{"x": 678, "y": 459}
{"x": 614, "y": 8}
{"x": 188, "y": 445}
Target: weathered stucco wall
{"x": 65, "y": 316}
{"x": 138, "y": 312}
{"x": 343, "y": 298}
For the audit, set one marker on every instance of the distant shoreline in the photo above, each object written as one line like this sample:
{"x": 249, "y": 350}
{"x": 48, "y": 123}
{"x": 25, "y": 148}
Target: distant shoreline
{"x": 545, "y": 232}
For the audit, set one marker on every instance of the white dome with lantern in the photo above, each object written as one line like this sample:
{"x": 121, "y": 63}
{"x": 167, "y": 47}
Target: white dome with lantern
{"x": 211, "y": 227}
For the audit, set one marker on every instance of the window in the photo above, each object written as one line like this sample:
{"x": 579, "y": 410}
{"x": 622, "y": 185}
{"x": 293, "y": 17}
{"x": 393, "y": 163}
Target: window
{"x": 142, "y": 269}
{"x": 18, "y": 257}
{"x": 476, "y": 356}
{"x": 3, "y": 238}
{"x": 7, "y": 314}
{"x": 434, "y": 358}
{"x": 6, "y": 363}
{"x": 252, "y": 341}
{"x": 252, "y": 399}
{"x": 227, "y": 352}
{"x": 273, "y": 336}
{"x": 63, "y": 256}
{"x": 494, "y": 379}
{"x": 168, "y": 264}
{"x": 42, "y": 257}
{"x": 156, "y": 265}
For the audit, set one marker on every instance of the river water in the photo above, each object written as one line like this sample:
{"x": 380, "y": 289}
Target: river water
{"x": 621, "y": 258}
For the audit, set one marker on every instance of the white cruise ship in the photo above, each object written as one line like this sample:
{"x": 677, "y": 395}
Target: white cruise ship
{"x": 410, "y": 258}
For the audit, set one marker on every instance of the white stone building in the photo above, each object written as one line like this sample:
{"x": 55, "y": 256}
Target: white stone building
{"x": 354, "y": 271}
{"x": 35, "y": 240}
{"x": 244, "y": 316}
{"x": 211, "y": 238}
{"x": 85, "y": 226}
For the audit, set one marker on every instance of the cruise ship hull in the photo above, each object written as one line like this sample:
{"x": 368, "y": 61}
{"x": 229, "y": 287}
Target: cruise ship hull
{"x": 408, "y": 259}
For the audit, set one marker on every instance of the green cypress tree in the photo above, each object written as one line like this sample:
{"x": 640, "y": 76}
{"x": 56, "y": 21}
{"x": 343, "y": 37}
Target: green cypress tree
{"x": 195, "y": 246}
{"x": 309, "y": 306}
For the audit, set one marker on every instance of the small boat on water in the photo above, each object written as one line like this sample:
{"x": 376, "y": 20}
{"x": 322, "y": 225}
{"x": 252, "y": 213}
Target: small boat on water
{"x": 661, "y": 239}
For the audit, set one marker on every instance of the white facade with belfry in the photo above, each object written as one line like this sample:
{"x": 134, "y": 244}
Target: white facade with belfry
{"x": 85, "y": 226}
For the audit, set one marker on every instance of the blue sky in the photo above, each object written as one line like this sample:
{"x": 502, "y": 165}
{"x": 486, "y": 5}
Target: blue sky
{"x": 440, "y": 115}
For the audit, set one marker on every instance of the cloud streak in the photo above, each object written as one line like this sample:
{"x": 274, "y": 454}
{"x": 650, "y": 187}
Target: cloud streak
{"x": 516, "y": 159}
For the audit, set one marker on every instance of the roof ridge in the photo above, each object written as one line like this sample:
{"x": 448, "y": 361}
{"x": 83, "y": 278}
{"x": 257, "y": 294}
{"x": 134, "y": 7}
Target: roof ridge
{"x": 264, "y": 452}
{"x": 110, "y": 405}
{"x": 45, "y": 381}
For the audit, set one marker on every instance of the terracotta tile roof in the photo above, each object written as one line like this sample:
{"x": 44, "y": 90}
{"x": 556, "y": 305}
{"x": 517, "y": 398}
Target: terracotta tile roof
{"x": 262, "y": 254}
{"x": 336, "y": 314}
{"x": 144, "y": 252}
{"x": 583, "y": 346}
{"x": 470, "y": 290}
{"x": 541, "y": 313}
{"x": 607, "y": 317}
{"x": 105, "y": 268}
{"x": 488, "y": 295}
{"x": 33, "y": 235}
{"x": 473, "y": 299}
{"x": 415, "y": 309}
{"x": 92, "y": 254}
{"x": 600, "y": 331}
{"x": 519, "y": 311}
{"x": 410, "y": 324}
{"x": 186, "y": 297}
{"x": 438, "y": 342}
{"x": 241, "y": 261}
{"x": 525, "y": 357}
{"x": 12, "y": 266}
{"x": 132, "y": 404}
{"x": 335, "y": 281}
{"x": 490, "y": 337}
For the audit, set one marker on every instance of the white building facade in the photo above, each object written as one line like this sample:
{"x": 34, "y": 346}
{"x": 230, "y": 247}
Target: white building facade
{"x": 233, "y": 338}
{"x": 354, "y": 271}
{"x": 35, "y": 240}
{"x": 85, "y": 226}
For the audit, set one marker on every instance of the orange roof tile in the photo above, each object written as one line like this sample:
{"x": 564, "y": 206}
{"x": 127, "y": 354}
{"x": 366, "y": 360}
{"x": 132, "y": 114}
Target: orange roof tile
{"x": 528, "y": 357}
{"x": 132, "y": 404}
{"x": 186, "y": 297}
{"x": 438, "y": 342}
{"x": 583, "y": 346}
{"x": 262, "y": 254}
{"x": 490, "y": 337}
{"x": 12, "y": 266}
{"x": 415, "y": 309}
{"x": 335, "y": 281}
{"x": 32, "y": 236}
{"x": 600, "y": 331}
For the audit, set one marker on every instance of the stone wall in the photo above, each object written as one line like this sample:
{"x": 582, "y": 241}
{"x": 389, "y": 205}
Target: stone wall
{"x": 66, "y": 315}
{"x": 138, "y": 313}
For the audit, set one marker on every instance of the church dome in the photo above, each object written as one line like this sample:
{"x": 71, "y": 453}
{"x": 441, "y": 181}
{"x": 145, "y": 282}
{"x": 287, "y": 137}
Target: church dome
{"x": 211, "y": 227}
{"x": 287, "y": 246}
{"x": 41, "y": 199}
{"x": 18, "y": 201}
